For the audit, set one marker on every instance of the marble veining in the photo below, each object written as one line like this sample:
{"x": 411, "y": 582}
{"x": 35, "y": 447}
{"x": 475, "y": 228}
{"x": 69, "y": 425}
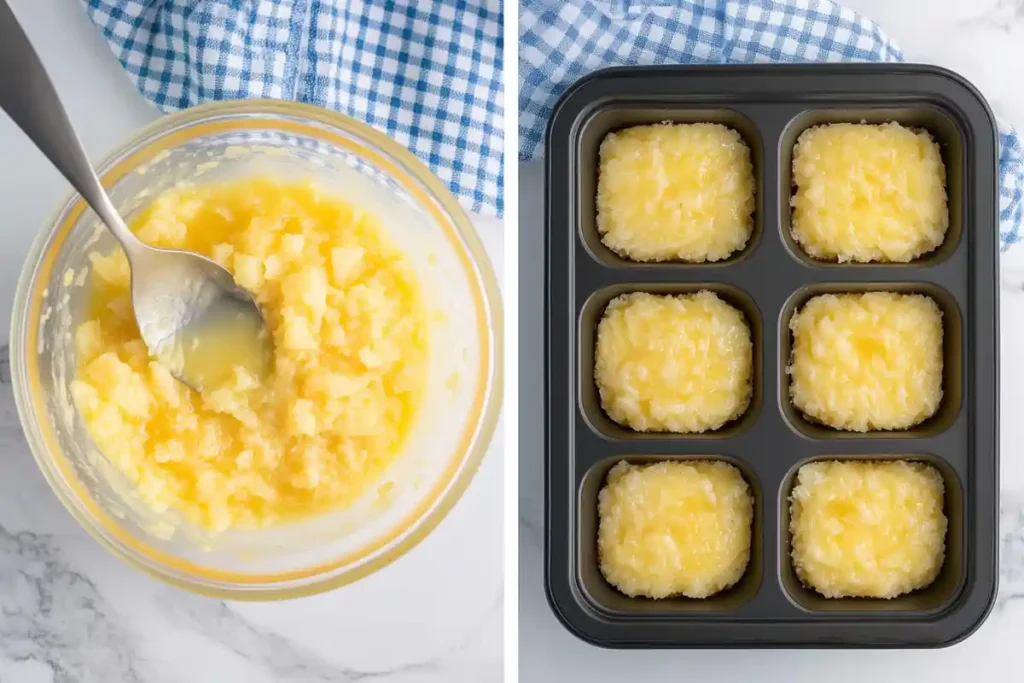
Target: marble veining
{"x": 1005, "y": 15}
{"x": 56, "y": 621}
{"x": 1011, "y": 546}
{"x": 55, "y": 618}
{"x": 279, "y": 656}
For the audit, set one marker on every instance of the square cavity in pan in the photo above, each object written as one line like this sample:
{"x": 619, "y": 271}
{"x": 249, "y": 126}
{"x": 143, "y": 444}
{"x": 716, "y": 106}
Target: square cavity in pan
{"x": 894, "y": 174}
{"x": 616, "y": 119}
{"x": 851, "y": 497}
{"x": 740, "y": 501}
{"x": 616, "y": 359}
{"x": 905, "y": 367}
{"x": 675, "y": 192}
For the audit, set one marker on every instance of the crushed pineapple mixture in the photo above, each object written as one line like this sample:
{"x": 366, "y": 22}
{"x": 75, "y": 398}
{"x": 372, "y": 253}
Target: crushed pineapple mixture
{"x": 674, "y": 528}
{"x": 350, "y": 336}
{"x": 867, "y": 529}
{"x": 673, "y": 363}
{"x": 675, "y": 192}
{"x": 868, "y": 193}
{"x": 867, "y": 362}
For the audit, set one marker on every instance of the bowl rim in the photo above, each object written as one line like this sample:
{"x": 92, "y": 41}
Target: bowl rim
{"x": 428, "y": 190}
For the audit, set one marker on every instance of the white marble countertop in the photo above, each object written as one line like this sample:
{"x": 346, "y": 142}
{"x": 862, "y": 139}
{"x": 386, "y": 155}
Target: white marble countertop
{"x": 983, "y": 40}
{"x": 71, "y": 613}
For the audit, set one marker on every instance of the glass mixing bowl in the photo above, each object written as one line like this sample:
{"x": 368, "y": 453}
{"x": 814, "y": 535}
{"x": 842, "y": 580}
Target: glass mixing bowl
{"x": 460, "y": 408}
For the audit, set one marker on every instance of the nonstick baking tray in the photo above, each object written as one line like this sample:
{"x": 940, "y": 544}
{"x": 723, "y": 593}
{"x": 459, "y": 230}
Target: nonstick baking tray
{"x": 770, "y": 105}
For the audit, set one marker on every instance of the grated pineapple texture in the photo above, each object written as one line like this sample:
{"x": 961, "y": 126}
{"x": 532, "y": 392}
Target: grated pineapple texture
{"x": 867, "y": 529}
{"x": 675, "y": 192}
{"x": 350, "y": 332}
{"x": 673, "y": 363}
{"x": 868, "y": 193}
{"x": 867, "y": 362}
{"x": 674, "y": 528}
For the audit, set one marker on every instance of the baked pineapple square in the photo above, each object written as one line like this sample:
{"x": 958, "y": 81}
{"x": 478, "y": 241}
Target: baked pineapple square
{"x": 675, "y": 192}
{"x": 867, "y": 529}
{"x": 868, "y": 193}
{"x": 867, "y": 362}
{"x": 674, "y": 528}
{"x": 673, "y": 363}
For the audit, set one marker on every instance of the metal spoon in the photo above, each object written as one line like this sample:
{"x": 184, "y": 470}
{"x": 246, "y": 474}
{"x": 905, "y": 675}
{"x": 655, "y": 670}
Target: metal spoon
{"x": 192, "y": 315}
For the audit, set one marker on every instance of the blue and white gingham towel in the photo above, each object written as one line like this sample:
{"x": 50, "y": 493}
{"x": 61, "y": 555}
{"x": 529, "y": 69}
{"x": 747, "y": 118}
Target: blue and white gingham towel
{"x": 426, "y": 72}
{"x": 562, "y": 40}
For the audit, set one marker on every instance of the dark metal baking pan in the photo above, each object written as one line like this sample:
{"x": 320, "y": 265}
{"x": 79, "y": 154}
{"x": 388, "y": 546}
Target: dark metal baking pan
{"x": 770, "y": 105}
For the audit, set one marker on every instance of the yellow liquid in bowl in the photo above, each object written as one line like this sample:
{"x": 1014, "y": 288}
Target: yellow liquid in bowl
{"x": 349, "y": 328}
{"x": 208, "y": 354}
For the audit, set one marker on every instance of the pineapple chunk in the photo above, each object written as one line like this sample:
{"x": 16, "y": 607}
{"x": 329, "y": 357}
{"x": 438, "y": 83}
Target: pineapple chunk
{"x": 307, "y": 289}
{"x": 221, "y": 253}
{"x": 248, "y": 272}
{"x": 88, "y": 340}
{"x": 291, "y": 245}
{"x": 298, "y": 334}
{"x": 257, "y": 241}
{"x": 107, "y": 371}
{"x": 303, "y": 417}
{"x": 345, "y": 262}
{"x": 112, "y": 268}
{"x": 166, "y": 389}
{"x": 87, "y": 399}
{"x": 272, "y": 267}
{"x": 169, "y": 451}
{"x": 337, "y": 385}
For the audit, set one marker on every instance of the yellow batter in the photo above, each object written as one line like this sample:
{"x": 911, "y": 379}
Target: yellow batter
{"x": 350, "y": 336}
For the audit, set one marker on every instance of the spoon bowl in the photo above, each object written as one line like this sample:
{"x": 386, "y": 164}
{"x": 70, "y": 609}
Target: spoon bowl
{"x": 196, "y": 320}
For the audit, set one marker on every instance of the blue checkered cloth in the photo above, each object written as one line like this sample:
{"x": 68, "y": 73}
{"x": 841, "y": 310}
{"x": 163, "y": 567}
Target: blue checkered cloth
{"x": 560, "y": 41}
{"x": 426, "y": 72}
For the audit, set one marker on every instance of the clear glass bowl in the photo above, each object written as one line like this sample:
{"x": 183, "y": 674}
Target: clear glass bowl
{"x": 460, "y": 409}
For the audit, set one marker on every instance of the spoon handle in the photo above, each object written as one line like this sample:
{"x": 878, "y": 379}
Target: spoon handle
{"x": 29, "y": 98}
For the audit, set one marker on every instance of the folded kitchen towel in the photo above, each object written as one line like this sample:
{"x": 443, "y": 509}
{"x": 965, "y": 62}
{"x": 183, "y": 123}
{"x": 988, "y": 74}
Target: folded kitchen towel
{"x": 562, "y": 40}
{"x": 425, "y": 72}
